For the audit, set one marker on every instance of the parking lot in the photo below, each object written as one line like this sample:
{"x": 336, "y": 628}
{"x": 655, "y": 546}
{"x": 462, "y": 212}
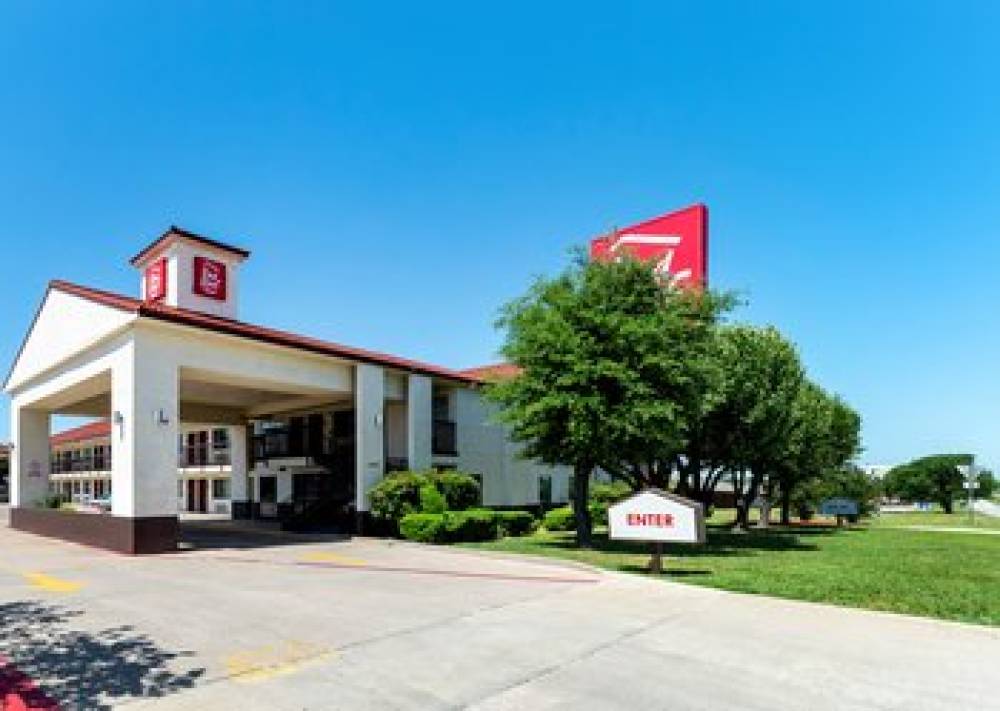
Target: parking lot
{"x": 270, "y": 621}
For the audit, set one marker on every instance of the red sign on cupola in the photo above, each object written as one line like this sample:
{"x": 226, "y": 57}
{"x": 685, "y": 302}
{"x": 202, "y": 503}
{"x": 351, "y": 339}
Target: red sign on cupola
{"x": 210, "y": 278}
{"x": 156, "y": 280}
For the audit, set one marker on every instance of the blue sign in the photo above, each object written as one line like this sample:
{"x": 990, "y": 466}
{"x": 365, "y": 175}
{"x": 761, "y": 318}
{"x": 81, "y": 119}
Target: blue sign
{"x": 839, "y": 507}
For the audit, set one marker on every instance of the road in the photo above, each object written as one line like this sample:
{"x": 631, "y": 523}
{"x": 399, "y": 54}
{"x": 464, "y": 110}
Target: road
{"x": 277, "y": 622}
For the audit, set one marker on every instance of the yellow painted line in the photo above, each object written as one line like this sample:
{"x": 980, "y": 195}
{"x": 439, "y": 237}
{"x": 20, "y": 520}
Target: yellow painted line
{"x": 50, "y": 583}
{"x": 327, "y": 557}
{"x": 273, "y": 660}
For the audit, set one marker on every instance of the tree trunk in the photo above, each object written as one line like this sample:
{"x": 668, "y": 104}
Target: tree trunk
{"x": 581, "y": 501}
{"x": 786, "y": 505}
{"x": 743, "y": 508}
{"x": 948, "y": 505}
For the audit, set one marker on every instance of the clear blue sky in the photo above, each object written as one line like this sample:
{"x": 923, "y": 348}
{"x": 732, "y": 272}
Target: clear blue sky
{"x": 401, "y": 171}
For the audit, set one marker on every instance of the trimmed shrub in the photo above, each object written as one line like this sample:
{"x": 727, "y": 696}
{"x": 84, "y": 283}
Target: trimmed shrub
{"x": 514, "y": 523}
{"x": 431, "y": 500}
{"x": 400, "y": 494}
{"x": 598, "y": 514}
{"x": 470, "y": 525}
{"x": 422, "y": 527}
{"x": 607, "y": 494}
{"x": 603, "y": 495}
{"x": 460, "y": 490}
{"x": 397, "y": 495}
{"x": 561, "y": 519}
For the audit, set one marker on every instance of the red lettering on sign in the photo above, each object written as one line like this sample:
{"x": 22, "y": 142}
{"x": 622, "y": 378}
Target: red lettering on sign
{"x": 156, "y": 280}
{"x": 210, "y": 278}
{"x": 657, "y": 520}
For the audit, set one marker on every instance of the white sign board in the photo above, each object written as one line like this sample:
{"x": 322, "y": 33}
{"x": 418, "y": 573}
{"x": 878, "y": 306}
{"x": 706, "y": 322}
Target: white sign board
{"x": 654, "y": 515}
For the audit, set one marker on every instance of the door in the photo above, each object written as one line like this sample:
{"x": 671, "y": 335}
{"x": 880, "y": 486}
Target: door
{"x": 268, "y": 496}
{"x": 197, "y": 495}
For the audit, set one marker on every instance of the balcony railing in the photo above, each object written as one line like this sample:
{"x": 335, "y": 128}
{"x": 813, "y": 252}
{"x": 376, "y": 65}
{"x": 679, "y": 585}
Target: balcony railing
{"x": 203, "y": 456}
{"x": 277, "y": 444}
{"x": 80, "y": 464}
{"x": 444, "y": 441}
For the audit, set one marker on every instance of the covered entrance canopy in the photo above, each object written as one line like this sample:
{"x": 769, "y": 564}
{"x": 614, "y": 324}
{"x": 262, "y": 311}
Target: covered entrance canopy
{"x": 148, "y": 366}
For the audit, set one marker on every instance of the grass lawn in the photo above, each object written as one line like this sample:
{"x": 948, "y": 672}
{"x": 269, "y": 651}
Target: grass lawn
{"x": 952, "y": 576}
{"x": 936, "y": 518}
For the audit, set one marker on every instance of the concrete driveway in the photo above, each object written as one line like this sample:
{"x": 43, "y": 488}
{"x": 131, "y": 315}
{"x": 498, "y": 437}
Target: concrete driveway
{"x": 278, "y": 622}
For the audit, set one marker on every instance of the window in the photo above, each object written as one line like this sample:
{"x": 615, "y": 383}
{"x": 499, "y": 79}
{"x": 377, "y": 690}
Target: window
{"x": 545, "y": 490}
{"x": 220, "y": 438}
{"x": 220, "y": 488}
{"x": 440, "y": 409}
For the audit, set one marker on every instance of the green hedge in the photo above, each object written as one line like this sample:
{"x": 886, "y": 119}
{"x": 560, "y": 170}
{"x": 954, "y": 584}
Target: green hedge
{"x": 399, "y": 494}
{"x": 464, "y": 526}
{"x": 460, "y": 490}
{"x": 472, "y": 525}
{"x": 561, "y": 519}
{"x": 515, "y": 523}
{"x": 422, "y": 527}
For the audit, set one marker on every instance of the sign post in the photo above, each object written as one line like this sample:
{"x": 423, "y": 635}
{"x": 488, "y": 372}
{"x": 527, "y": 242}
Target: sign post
{"x": 658, "y": 517}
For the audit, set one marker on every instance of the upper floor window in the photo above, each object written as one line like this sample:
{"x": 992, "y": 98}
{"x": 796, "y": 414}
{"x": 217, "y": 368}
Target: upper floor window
{"x": 440, "y": 408}
{"x": 220, "y": 438}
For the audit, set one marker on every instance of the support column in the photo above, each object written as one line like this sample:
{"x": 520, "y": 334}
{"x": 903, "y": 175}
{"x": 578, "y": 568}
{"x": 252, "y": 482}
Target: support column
{"x": 369, "y": 405}
{"x": 239, "y": 472}
{"x": 419, "y": 422}
{"x": 29, "y": 462}
{"x": 145, "y": 413}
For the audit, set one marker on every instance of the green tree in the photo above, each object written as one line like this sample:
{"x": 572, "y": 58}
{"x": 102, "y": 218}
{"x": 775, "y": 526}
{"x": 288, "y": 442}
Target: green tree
{"x": 612, "y": 362}
{"x": 825, "y": 435}
{"x": 846, "y": 481}
{"x": 747, "y": 417}
{"x": 987, "y": 485}
{"x": 934, "y": 478}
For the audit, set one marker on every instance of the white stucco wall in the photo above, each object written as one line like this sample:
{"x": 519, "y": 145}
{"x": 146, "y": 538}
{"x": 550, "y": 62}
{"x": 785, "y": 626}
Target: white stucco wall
{"x": 419, "y": 419}
{"x": 66, "y": 325}
{"x": 369, "y": 406}
{"x": 483, "y": 448}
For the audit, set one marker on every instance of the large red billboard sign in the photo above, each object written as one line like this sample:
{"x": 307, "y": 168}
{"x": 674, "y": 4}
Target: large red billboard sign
{"x": 210, "y": 278}
{"x": 676, "y": 242}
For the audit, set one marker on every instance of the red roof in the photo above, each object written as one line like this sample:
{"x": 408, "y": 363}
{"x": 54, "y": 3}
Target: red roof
{"x": 91, "y": 430}
{"x": 496, "y": 371}
{"x": 263, "y": 334}
{"x": 175, "y": 233}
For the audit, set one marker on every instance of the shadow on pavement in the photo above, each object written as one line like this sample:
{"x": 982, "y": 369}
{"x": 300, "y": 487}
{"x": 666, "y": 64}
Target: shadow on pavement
{"x": 85, "y": 669}
{"x": 230, "y": 535}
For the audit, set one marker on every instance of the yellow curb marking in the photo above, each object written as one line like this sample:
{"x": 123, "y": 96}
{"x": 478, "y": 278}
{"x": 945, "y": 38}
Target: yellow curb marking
{"x": 52, "y": 584}
{"x": 327, "y": 557}
{"x": 256, "y": 665}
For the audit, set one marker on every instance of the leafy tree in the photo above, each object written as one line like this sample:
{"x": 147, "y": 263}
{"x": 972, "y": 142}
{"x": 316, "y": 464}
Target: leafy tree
{"x": 747, "y": 418}
{"x": 825, "y": 435}
{"x": 612, "y": 363}
{"x": 987, "y": 485}
{"x": 934, "y": 478}
{"x": 846, "y": 481}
